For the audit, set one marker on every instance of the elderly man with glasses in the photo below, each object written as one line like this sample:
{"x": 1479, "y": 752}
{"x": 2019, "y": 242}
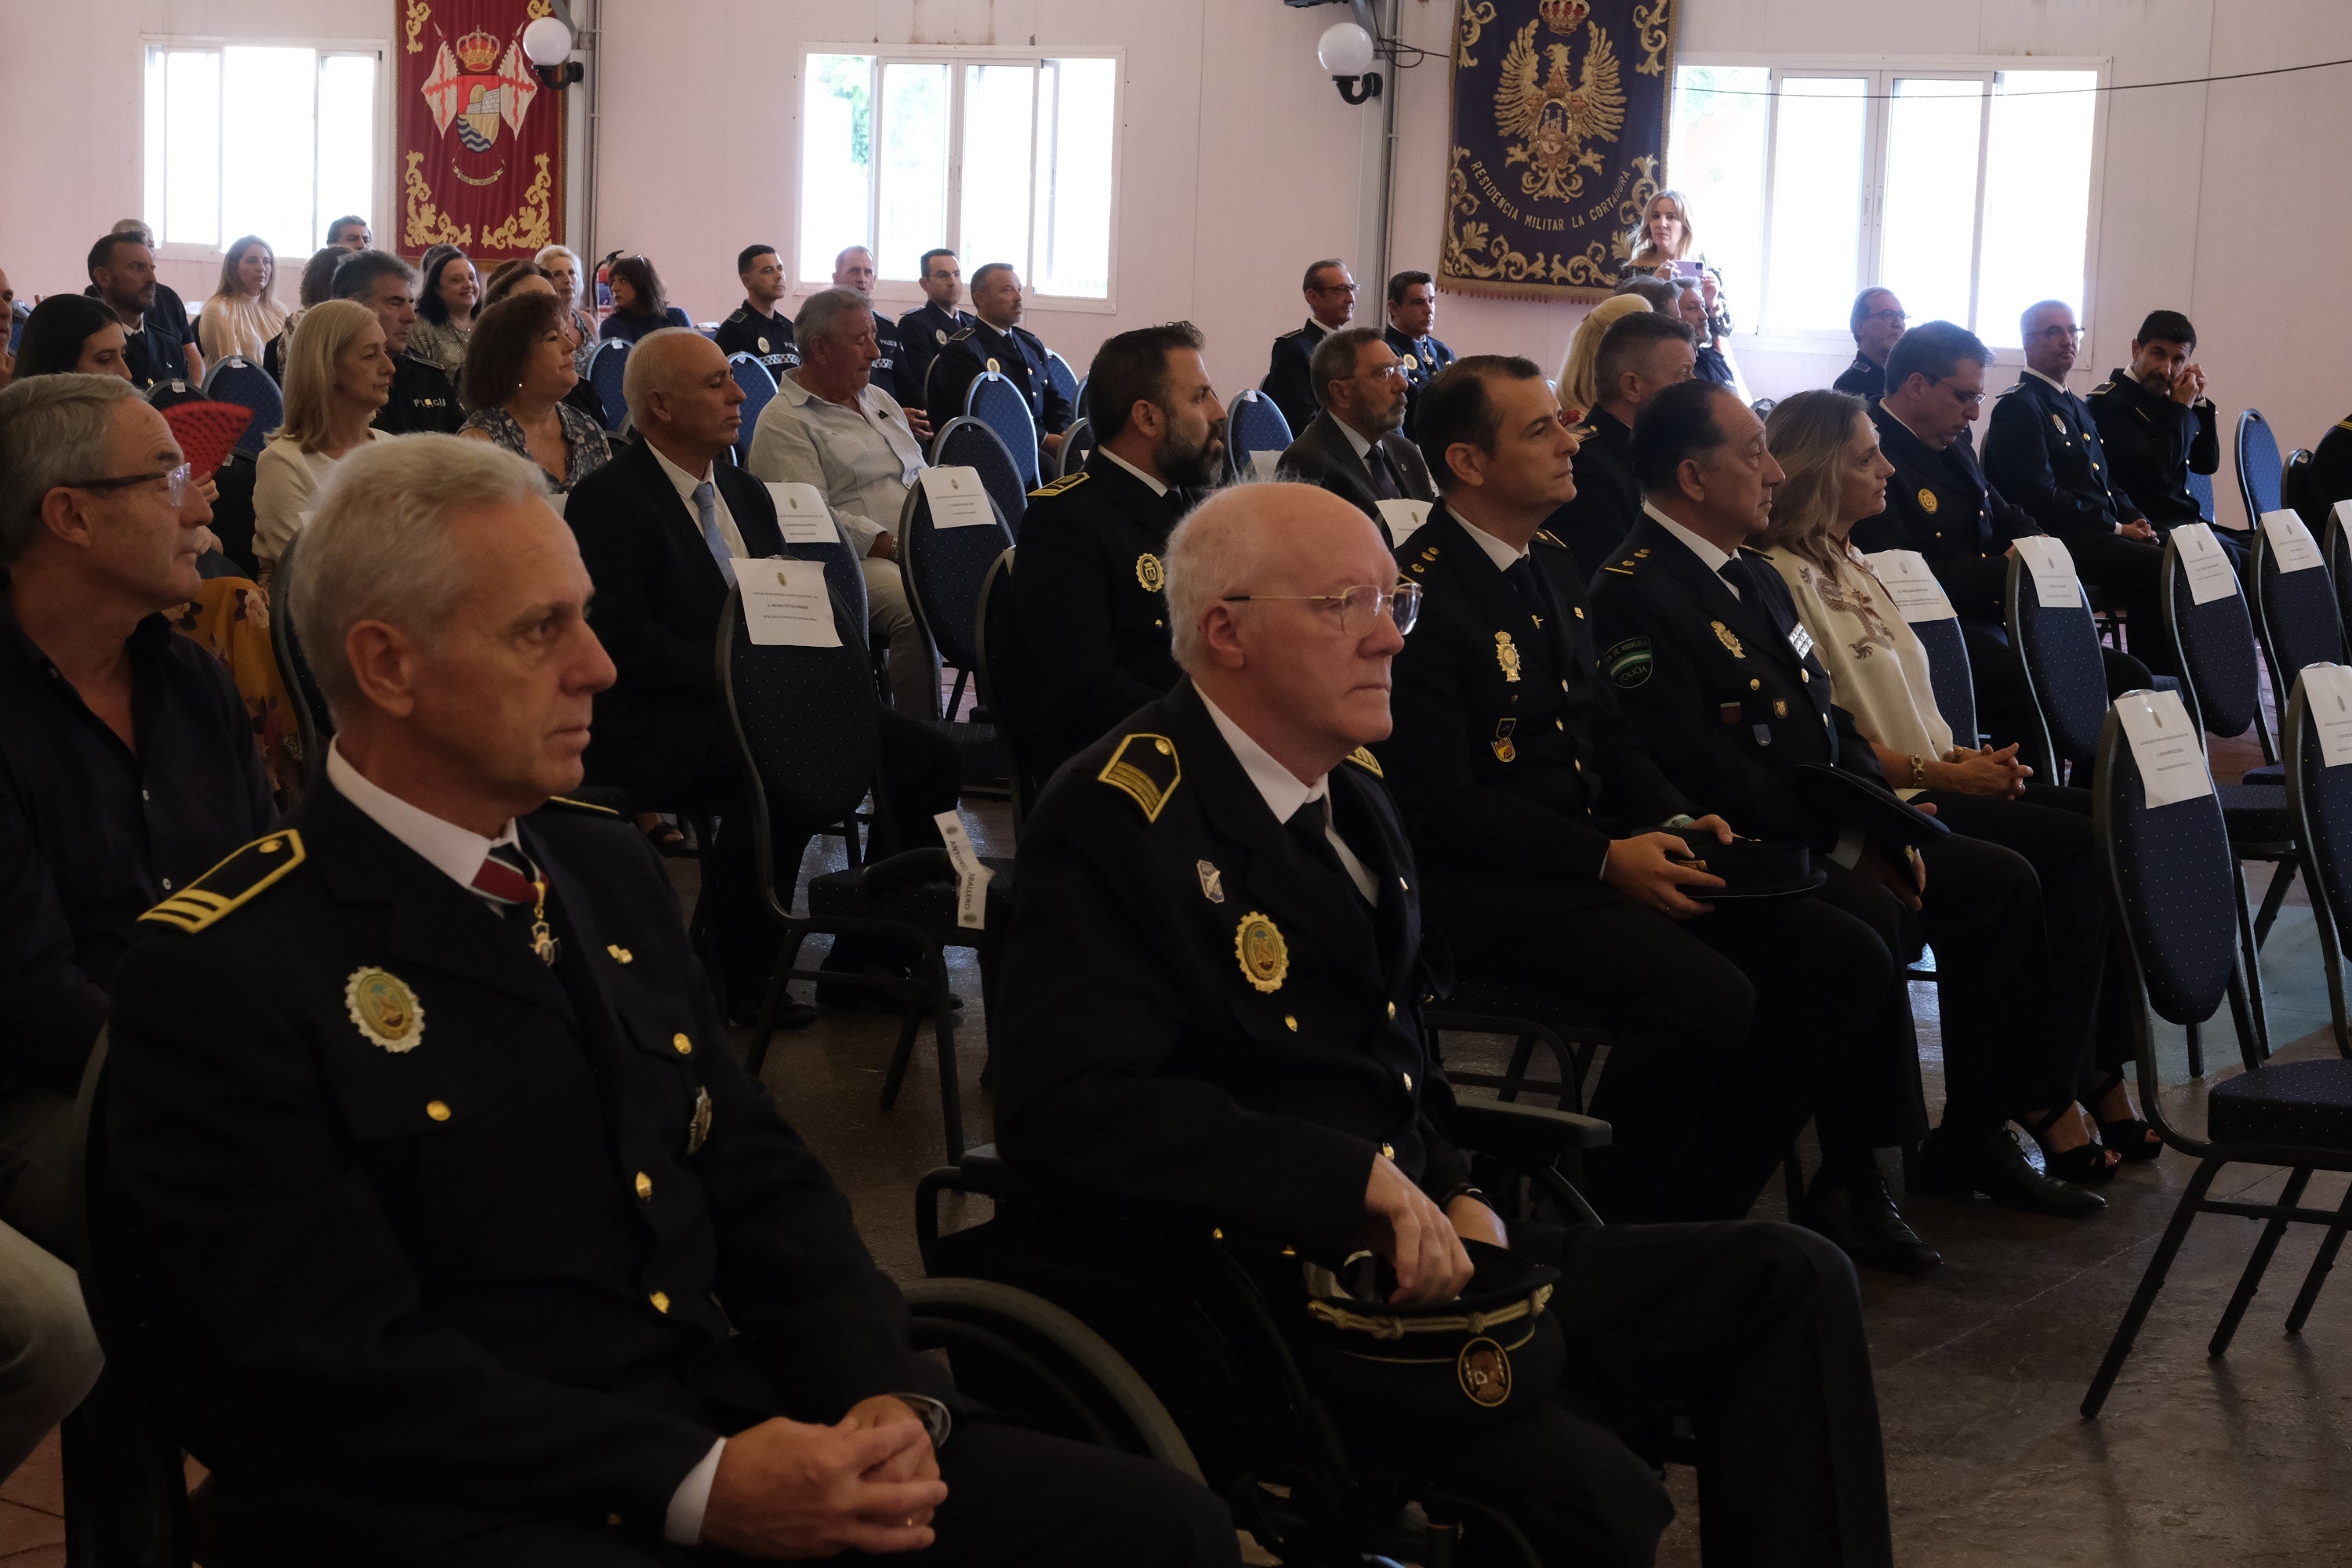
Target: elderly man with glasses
{"x": 1878, "y": 321}
{"x": 1330, "y": 292}
{"x": 1355, "y": 447}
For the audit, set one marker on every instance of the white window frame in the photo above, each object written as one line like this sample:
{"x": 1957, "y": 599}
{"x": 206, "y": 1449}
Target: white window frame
{"x": 387, "y": 88}
{"x": 1882, "y": 69}
{"x": 905, "y": 291}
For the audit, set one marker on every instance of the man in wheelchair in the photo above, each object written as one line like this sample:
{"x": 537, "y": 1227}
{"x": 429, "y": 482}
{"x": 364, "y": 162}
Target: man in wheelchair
{"x": 1210, "y": 1028}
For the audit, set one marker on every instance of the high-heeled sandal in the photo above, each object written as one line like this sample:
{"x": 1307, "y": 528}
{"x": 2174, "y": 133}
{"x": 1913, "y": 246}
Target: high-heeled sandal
{"x": 2128, "y": 1136}
{"x": 2085, "y": 1164}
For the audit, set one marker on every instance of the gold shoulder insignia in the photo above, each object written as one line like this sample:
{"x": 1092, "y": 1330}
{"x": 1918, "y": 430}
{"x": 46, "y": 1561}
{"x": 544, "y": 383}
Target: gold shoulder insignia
{"x": 2102, "y": 389}
{"x": 1144, "y": 767}
{"x": 2005, "y": 391}
{"x": 1362, "y": 757}
{"x": 1582, "y": 432}
{"x": 1067, "y": 481}
{"x": 1549, "y": 538}
{"x": 2344, "y": 424}
{"x": 590, "y": 806}
{"x": 959, "y": 337}
{"x": 231, "y": 884}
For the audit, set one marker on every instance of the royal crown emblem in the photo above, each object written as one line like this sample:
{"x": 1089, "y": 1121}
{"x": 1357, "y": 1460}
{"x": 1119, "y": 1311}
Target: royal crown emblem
{"x": 478, "y": 51}
{"x": 1564, "y": 15}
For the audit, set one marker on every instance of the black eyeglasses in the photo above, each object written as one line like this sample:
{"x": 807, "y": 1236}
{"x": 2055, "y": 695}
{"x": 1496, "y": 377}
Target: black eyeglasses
{"x": 1967, "y": 399}
{"x": 1361, "y": 607}
{"x": 176, "y": 482}
{"x": 1897, "y": 316}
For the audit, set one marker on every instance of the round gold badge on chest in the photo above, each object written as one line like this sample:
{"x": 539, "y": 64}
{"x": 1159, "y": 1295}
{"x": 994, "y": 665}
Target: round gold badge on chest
{"x": 384, "y": 1008}
{"x": 1149, "y": 572}
{"x": 1926, "y": 500}
{"x": 1264, "y": 956}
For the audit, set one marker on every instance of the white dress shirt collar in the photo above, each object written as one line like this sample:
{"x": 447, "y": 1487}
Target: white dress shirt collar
{"x": 680, "y": 478}
{"x": 686, "y": 484}
{"x": 1355, "y": 438}
{"x": 1157, "y": 488}
{"x": 457, "y": 852}
{"x": 1284, "y": 794}
{"x": 2049, "y": 381}
{"x": 1711, "y": 554}
{"x": 1501, "y": 554}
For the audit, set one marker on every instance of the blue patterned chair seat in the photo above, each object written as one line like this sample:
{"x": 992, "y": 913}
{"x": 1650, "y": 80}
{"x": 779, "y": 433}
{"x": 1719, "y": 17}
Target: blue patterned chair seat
{"x": 2257, "y": 810}
{"x": 2302, "y": 1103}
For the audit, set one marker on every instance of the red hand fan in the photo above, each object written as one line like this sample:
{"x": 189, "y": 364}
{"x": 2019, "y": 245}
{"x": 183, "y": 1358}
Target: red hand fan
{"x": 207, "y": 433}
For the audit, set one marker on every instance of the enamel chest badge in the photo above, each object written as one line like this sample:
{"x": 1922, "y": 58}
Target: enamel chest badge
{"x": 385, "y": 1009}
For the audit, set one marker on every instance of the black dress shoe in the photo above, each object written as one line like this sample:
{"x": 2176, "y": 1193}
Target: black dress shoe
{"x": 1995, "y": 1166}
{"x": 1859, "y": 1214}
{"x": 867, "y": 998}
{"x": 790, "y": 1015}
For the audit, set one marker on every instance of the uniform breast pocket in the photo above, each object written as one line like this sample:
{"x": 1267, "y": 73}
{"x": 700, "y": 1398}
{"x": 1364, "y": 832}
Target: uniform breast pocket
{"x": 663, "y": 1026}
{"x": 383, "y": 1098}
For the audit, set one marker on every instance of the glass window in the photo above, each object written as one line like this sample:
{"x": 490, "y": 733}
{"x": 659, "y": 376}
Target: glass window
{"x": 191, "y": 162}
{"x": 346, "y": 140}
{"x": 999, "y": 115}
{"x": 268, "y": 150}
{"x": 2037, "y": 196}
{"x": 278, "y": 140}
{"x": 1722, "y": 122}
{"x": 1930, "y": 233}
{"x": 1816, "y": 221}
{"x": 914, "y": 194}
{"x": 837, "y": 160}
{"x": 1074, "y": 138}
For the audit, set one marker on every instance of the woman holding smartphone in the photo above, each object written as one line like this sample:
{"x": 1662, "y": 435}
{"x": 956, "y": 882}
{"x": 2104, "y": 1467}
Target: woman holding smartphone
{"x": 1665, "y": 244}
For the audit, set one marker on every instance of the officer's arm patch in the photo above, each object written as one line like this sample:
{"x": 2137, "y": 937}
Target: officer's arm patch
{"x": 231, "y": 884}
{"x": 1628, "y": 663}
{"x": 1067, "y": 481}
{"x": 1362, "y": 757}
{"x": 1145, "y": 768}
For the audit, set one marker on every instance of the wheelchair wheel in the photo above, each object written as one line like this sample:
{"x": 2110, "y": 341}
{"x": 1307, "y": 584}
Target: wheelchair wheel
{"x": 1022, "y": 1354}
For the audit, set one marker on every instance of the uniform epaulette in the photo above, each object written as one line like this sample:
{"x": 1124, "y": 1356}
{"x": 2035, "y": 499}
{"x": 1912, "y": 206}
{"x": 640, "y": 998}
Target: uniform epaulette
{"x": 1427, "y": 556}
{"x": 1066, "y": 482}
{"x": 1581, "y": 432}
{"x": 1549, "y": 538}
{"x": 1630, "y": 564}
{"x": 1362, "y": 757}
{"x": 959, "y": 337}
{"x": 569, "y": 804}
{"x": 231, "y": 884}
{"x": 1295, "y": 332}
{"x": 1146, "y": 770}
{"x": 2344, "y": 424}
{"x": 2017, "y": 386}
{"x": 2101, "y": 390}
{"x": 742, "y": 314}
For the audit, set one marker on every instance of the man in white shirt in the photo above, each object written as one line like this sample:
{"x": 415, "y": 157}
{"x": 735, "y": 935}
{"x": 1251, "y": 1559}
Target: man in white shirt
{"x": 830, "y": 426}
{"x": 482, "y": 1242}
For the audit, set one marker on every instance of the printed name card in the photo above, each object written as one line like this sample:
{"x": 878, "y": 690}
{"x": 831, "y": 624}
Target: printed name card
{"x": 2342, "y": 515}
{"x": 802, "y": 516}
{"x": 785, "y": 604}
{"x": 1404, "y": 517}
{"x": 2211, "y": 575}
{"x": 2291, "y": 544}
{"x": 958, "y": 498}
{"x": 971, "y": 877}
{"x": 1262, "y": 463}
{"x": 1917, "y": 595}
{"x": 2165, "y": 745}
{"x": 2054, "y": 585}
{"x": 2327, "y": 697}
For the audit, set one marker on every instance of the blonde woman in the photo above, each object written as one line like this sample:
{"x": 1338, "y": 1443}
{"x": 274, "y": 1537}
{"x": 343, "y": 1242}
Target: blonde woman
{"x": 561, "y": 265}
{"x": 1836, "y": 475}
{"x": 241, "y": 318}
{"x": 1579, "y": 392}
{"x": 338, "y": 373}
{"x": 1664, "y": 237}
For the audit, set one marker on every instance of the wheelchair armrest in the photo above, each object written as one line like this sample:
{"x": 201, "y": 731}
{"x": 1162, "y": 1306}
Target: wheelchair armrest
{"x": 906, "y": 869}
{"x": 1525, "y": 1134}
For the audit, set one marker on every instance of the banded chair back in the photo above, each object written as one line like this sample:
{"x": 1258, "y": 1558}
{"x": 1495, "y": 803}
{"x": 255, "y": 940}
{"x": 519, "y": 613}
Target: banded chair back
{"x": 2336, "y": 549}
{"x": 607, "y": 362}
{"x": 2222, "y": 668}
{"x": 968, "y": 443}
{"x": 845, "y": 573}
{"x": 2173, "y": 880}
{"x": 1004, "y": 683}
{"x": 2258, "y": 467}
{"x": 944, "y": 570}
{"x": 2295, "y": 614}
{"x": 2319, "y": 799}
{"x": 2295, "y": 490}
{"x": 1078, "y": 446}
{"x": 240, "y": 381}
{"x": 1078, "y": 398}
{"x": 2201, "y": 486}
{"x": 167, "y": 394}
{"x": 2059, "y": 647}
{"x": 1950, "y": 675}
{"x": 759, "y": 388}
{"x": 807, "y": 726}
{"x": 313, "y": 725}
{"x": 1061, "y": 378}
{"x": 996, "y": 403}
{"x": 1252, "y": 424}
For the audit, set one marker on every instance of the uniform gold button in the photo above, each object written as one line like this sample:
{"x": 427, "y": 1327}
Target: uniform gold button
{"x": 1290, "y": 1023}
{"x": 645, "y": 1185}
{"x": 1806, "y": 676}
{"x": 613, "y": 1521}
{"x": 620, "y": 954}
{"x": 1159, "y": 623}
{"x": 660, "y": 1298}
{"x": 1388, "y": 1151}
{"x": 437, "y": 1108}
{"x": 1408, "y": 1080}
{"x": 1563, "y": 686}
{"x": 683, "y": 1046}
{"x": 1392, "y": 1009}
{"x": 1560, "y": 725}
{"x": 1754, "y": 684}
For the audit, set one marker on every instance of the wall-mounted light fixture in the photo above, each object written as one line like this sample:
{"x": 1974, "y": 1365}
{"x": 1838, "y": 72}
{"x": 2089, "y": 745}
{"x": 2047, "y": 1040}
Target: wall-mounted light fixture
{"x": 548, "y": 43}
{"x": 1346, "y": 52}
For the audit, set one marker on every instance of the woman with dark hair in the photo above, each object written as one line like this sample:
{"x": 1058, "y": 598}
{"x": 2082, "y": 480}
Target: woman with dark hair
{"x": 510, "y": 278}
{"x": 318, "y": 284}
{"x": 445, "y": 310}
{"x": 241, "y": 318}
{"x": 518, "y": 370}
{"x": 639, "y": 303}
{"x": 71, "y": 333}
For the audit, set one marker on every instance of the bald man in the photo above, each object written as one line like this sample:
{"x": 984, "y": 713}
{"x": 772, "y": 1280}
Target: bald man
{"x": 1209, "y": 1003}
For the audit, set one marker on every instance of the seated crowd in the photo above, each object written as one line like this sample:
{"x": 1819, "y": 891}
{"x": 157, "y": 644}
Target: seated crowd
{"x": 482, "y": 1245}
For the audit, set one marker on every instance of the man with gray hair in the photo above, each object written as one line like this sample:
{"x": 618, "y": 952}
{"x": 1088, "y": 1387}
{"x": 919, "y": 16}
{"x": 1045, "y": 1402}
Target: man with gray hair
{"x": 1354, "y": 447}
{"x": 1330, "y": 292}
{"x": 422, "y": 398}
{"x": 832, "y": 425}
{"x": 481, "y": 1242}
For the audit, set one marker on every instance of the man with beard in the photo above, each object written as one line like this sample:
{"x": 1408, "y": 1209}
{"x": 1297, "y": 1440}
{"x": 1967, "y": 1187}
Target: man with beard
{"x": 2157, "y": 423}
{"x": 1090, "y": 585}
{"x": 1353, "y": 448}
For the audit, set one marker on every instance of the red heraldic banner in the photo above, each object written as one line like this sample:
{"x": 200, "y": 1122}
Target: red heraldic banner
{"x": 480, "y": 140}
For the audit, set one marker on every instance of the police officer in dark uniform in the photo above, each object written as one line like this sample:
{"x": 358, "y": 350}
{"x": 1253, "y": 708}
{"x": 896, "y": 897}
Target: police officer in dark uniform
{"x": 925, "y": 330}
{"x": 1330, "y": 292}
{"x": 1089, "y": 579}
{"x": 2042, "y": 450}
{"x": 1877, "y": 322}
{"x": 1413, "y": 310}
{"x": 998, "y": 342}
{"x": 483, "y": 1246}
{"x": 755, "y": 327}
{"x": 1538, "y": 820}
{"x": 1640, "y": 355}
{"x": 422, "y": 401}
{"x": 2157, "y": 423}
{"x": 1211, "y": 986}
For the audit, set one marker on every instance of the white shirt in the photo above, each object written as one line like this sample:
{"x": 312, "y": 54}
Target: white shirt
{"x": 1284, "y": 794}
{"x": 685, "y": 484}
{"x": 2049, "y": 381}
{"x": 1711, "y": 555}
{"x": 455, "y": 852}
{"x": 1157, "y": 488}
{"x": 1503, "y": 555}
{"x": 863, "y": 460}
{"x": 286, "y": 484}
{"x": 1360, "y": 443}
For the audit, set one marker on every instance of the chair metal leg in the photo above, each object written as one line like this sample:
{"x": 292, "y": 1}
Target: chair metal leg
{"x": 2273, "y": 900}
{"x": 1522, "y": 1054}
{"x": 944, "y": 1031}
{"x": 2149, "y": 1284}
{"x": 2308, "y": 1296}
{"x": 1793, "y": 1172}
{"x": 911, "y": 1023}
{"x": 2250, "y": 974}
{"x": 779, "y": 980}
{"x": 2252, "y": 1279}
{"x": 2196, "y": 1046}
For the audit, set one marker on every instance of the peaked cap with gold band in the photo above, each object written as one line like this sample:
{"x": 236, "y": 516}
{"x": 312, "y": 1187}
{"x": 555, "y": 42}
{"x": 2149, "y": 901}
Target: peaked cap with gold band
{"x": 1145, "y": 769}
{"x": 228, "y": 887}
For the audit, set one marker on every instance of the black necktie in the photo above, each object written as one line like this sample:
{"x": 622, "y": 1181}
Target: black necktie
{"x": 1740, "y": 573}
{"x": 1309, "y": 825}
{"x": 1384, "y": 480}
{"x": 1521, "y": 575}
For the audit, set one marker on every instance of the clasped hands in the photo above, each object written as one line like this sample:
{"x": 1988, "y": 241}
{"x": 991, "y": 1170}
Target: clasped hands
{"x": 869, "y": 1482}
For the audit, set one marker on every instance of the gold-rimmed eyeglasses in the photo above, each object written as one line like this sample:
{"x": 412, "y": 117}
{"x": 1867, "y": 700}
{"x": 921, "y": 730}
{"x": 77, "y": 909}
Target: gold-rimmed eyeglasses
{"x": 1361, "y": 607}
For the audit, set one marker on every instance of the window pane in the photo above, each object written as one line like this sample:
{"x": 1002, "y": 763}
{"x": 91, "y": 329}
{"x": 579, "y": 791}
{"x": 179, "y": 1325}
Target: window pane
{"x": 1075, "y": 128}
{"x": 268, "y": 146}
{"x": 152, "y": 207}
{"x": 1715, "y": 157}
{"x": 346, "y": 140}
{"x": 1816, "y": 202}
{"x": 1931, "y": 194}
{"x": 914, "y": 166}
{"x": 190, "y": 213}
{"x": 996, "y": 168}
{"x": 837, "y": 153}
{"x": 2037, "y": 196}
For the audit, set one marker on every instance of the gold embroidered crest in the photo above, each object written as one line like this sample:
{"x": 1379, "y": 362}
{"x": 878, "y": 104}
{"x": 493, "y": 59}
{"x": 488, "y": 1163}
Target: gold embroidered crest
{"x": 697, "y": 1126}
{"x": 1484, "y": 1372}
{"x": 1149, "y": 572}
{"x": 1926, "y": 500}
{"x": 1264, "y": 956}
{"x": 1728, "y": 638}
{"x": 1507, "y": 655}
{"x": 385, "y": 1009}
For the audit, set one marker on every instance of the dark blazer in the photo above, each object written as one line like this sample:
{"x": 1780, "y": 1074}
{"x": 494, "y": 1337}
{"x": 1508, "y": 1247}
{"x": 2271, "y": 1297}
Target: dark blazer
{"x": 1716, "y": 688}
{"x": 422, "y": 401}
{"x": 530, "y": 1247}
{"x": 1322, "y": 455}
{"x": 1862, "y": 379}
{"x": 633, "y": 326}
{"x": 2154, "y": 444}
{"x": 1424, "y": 358}
{"x": 2042, "y": 449}
{"x": 1941, "y": 505}
{"x": 923, "y": 333}
{"x": 1019, "y": 355}
{"x": 1087, "y": 587}
{"x": 658, "y": 596}
{"x": 1607, "y": 497}
{"x": 1288, "y": 380}
{"x": 1509, "y": 760}
{"x": 1195, "y": 1012}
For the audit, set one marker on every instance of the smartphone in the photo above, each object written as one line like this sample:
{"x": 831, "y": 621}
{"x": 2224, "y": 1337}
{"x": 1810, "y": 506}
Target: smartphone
{"x": 1686, "y": 270}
